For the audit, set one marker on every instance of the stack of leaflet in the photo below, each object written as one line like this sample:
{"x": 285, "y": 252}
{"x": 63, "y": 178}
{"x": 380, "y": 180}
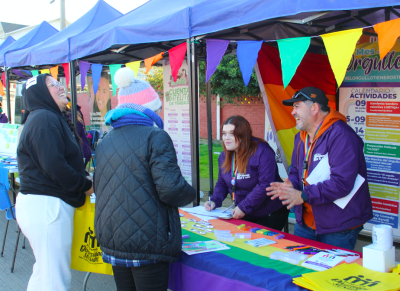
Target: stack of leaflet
{"x": 349, "y": 277}
{"x": 193, "y": 248}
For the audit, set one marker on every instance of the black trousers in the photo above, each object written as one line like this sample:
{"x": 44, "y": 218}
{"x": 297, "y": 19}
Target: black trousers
{"x": 275, "y": 220}
{"x": 144, "y": 278}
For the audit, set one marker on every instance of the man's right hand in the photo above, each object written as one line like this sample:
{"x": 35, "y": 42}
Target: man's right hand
{"x": 209, "y": 205}
{"x": 272, "y": 190}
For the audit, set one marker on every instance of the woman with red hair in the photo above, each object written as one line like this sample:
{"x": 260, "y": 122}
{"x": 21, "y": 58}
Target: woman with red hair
{"x": 246, "y": 167}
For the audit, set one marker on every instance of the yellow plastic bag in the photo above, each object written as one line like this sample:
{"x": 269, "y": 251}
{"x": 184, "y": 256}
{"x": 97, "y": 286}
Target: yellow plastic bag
{"x": 86, "y": 254}
{"x": 351, "y": 277}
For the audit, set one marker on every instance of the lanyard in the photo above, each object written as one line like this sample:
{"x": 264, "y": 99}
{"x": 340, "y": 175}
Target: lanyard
{"x": 234, "y": 170}
{"x": 308, "y": 146}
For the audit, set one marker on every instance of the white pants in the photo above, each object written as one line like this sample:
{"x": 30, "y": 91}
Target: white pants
{"x": 47, "y": 222}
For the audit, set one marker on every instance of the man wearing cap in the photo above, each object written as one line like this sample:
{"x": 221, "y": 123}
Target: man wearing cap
{"x": 324, "y": 132}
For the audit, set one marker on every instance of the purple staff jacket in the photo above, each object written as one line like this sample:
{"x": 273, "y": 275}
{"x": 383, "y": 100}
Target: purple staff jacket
{"x": 251, "y": 196}
{"x": 346, "y": 161}
{"x": 80, "y": 128}
{"x": 3, "y": 118}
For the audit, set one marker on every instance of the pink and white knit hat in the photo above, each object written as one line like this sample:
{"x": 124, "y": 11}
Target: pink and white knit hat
{"x": 132, "y": 90}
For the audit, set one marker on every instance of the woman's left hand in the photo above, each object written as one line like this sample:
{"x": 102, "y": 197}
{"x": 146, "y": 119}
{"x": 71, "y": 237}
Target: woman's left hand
{"x": 237, "y": 213}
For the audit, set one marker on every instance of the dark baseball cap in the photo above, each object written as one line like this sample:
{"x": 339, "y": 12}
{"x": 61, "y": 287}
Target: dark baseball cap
{"x": 308, "y": 93}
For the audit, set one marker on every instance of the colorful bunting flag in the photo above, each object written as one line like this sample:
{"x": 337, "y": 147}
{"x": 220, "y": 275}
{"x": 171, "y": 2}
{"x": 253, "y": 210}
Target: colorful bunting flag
{"x": 83, "y": 69}
{"x": 215, "y": 51}
{"x": 34, "y": 73}
{"x": 340, "y": 47}
{"x": 151, "y": 61}
{"x": 314, "y": 70}
{"x": 134, "y": 66}
{"x": 3, "y": 79}
{"x": 19, "y": 73}
{"x": 113, "y": 70}
{"x": 247, "y": 54}
{"x": 66, "y": 72}
{"x": 45, "y": 71}
{"x": 3, "y": 82}
{"x": 388, "y": 32}
{"x": 176, "y": 56}
{"x": 96, "y": 75}
{"x": 292, "y": 51}
{"x": 54, "y": 72}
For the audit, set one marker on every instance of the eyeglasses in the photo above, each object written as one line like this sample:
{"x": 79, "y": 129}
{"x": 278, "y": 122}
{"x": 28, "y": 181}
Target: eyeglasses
{"x": 304, "y": 95}
{"x": 54, "y": 83}
{"x": 158, "y": 110}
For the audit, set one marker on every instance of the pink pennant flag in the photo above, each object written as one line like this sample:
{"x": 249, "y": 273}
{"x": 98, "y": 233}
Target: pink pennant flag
{"x": 176, "y": 56}
{"x": 66, "y": 72}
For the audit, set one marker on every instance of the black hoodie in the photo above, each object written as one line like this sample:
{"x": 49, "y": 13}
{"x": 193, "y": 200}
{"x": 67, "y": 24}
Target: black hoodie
{"x": 50, "y": 161}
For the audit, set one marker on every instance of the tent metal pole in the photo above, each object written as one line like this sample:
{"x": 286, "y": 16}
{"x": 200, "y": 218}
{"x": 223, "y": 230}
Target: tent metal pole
{"x": 387, "y": 14}
{"x": 209, "y": 137}
{"x": 194, "y": 116}
{"x": 7, "y": 74}
{"x": 73, "y": 91}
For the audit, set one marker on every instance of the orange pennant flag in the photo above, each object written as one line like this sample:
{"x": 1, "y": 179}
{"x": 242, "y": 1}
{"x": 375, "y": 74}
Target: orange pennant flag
{"x": 388, "y": 32}
{"x": 151, "y": 61}
{"x": 54, "y": 72}
{"x": 1, "y": 89}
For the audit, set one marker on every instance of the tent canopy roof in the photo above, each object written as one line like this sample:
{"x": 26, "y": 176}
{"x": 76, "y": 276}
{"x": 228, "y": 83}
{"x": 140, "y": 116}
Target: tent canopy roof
{"x": 159, "y": 25}
{"x": 9, "y": 40}
{"x": 55, "y": 50}
{"x": 36, "y": 35}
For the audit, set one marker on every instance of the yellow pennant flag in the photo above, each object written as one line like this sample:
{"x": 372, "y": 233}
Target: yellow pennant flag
{"x": 45, "y": 71}
{"x": 340, "y": 47}
{"x": 54, "y": 72}
{"x": 134, "y": 66}
{"x": 388, "y": 32}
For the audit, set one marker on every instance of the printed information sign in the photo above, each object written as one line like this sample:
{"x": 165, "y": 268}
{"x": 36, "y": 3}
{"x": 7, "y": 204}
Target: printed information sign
{"x": 376, "y": 121}
{"x": 177, "y": 117}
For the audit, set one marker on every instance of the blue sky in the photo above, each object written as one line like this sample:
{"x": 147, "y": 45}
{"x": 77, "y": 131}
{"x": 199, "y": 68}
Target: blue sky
{"x": 32, "y": 12}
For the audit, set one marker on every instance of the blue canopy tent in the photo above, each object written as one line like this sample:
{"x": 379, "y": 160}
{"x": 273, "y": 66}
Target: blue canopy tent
{"x": 9, "y": 40}
{"x": 36, "y": 35}
{"x": 156, "y": 26}
{"x": 153, "y": 22}
{"x": 55, "y": 50}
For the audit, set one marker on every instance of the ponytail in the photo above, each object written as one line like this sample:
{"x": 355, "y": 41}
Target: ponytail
{"x": 72, "y": 127}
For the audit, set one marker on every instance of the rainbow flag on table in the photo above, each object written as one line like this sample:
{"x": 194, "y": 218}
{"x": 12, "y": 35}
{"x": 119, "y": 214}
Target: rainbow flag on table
{"x": 314, "y": 70}
{"x": 242, "y": 267}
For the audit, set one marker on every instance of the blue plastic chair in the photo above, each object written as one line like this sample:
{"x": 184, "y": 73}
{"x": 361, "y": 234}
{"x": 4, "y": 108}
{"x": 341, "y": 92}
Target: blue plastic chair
{"x": 5, "y": 204}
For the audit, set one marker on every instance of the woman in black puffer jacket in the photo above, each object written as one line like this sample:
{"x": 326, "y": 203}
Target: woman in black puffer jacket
{"x": 139, "y": 186}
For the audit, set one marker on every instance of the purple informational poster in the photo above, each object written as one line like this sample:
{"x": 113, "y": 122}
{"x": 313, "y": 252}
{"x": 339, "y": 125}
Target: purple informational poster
{"x": 370, "y": 100}
{"x": 176, "y": 116}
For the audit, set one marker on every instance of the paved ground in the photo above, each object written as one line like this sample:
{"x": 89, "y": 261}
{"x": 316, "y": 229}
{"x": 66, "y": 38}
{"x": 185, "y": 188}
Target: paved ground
{"x": 18, "y": 280}
{"x": 25, "y": 259}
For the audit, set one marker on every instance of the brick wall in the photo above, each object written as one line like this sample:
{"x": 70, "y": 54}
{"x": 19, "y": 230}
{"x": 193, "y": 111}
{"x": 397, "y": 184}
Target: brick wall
{"x": 252, "y": 109}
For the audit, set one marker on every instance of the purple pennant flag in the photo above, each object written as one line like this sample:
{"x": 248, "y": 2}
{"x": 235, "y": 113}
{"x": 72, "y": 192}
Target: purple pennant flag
{"x": 96, "y": 74}
{"x": 215, "y": 51}
{"x": 19, "y": 73}
{"x": 83, "y": 68}
{"x": 247, "y": 54}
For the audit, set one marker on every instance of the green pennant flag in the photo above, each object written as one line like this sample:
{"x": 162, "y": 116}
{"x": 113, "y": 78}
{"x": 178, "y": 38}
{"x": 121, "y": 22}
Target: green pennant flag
{"x": 34, "y": 73}
{"x": 113, "y": 70}
{"x": 292, "y": 51}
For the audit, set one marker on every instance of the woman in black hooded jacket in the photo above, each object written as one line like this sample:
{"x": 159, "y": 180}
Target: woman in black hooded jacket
{"x": 53, "y": 182}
